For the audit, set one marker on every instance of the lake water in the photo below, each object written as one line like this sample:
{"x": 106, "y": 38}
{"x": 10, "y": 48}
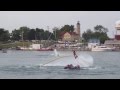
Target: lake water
{"x": 26, "y": 65}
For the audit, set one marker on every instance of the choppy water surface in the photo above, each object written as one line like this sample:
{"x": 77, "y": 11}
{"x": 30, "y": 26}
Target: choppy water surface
{"x": 26, "y": 65}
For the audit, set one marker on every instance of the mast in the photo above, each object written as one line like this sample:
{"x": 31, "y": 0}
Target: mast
{"x": 55, "y": 35}
{"x": 48, "y": 37}
{"x": 54, "y": 32}
{"x": 22, "y": 39}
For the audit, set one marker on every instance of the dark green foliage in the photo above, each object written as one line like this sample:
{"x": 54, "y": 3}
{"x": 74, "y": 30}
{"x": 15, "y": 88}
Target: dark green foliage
{"x": 30, "y": 34}
{"x": 16, "y": 35}
{"x": 4, "y": 35}
{"x": 67, "y": 28}
{"x": 99, "y": 32}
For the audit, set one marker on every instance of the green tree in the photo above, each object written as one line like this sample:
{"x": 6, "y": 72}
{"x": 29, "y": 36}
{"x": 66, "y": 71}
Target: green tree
{"x": 31, "y": 34}
{"x": 87, "y": 35}
{"x": 103, "y": 37}
{"x": 100, "y": 29}
{"x": 47, "y": 35}
{"x": 67, "y": 28}
{"x": 56, "y": 33}
{"x": 25, "y": 31}
{"x": 39, "y": 33}
{"x": 16, "y": 35}
{"x": 4, "y": 35}
{"x": 99, "y": 32}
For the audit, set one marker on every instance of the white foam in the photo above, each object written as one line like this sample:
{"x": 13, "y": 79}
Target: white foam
{"x": 56, "y": 53}
{"x": 84, "y": 60}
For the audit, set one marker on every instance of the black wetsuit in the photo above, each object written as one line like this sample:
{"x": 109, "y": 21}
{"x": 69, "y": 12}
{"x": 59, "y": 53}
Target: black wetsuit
{"x": 75, "y": 54}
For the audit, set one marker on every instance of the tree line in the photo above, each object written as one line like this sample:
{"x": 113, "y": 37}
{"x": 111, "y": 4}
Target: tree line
{"x": 30, "y": 34}
{"x": 25, "y": 33}
{"x": 99, "y": 32}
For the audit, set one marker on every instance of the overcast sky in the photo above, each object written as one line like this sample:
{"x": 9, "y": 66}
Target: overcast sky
{"x": 41, "y": 19}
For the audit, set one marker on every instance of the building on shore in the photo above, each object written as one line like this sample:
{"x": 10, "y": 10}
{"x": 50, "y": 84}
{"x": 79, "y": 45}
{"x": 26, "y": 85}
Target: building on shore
{"x": 117, "y": 27}
{"x": 72, "y": 36}
{"x": 93, "y": 42}
{"x": 116, "y": 41}
{"x": 113, "y": 43}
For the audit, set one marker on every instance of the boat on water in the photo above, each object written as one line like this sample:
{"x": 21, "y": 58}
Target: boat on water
{"x": 45, "y": 49}
{"x": 38, "y": 49}
{"x": 101, "y": 48}
{"x": 35, "y": 47}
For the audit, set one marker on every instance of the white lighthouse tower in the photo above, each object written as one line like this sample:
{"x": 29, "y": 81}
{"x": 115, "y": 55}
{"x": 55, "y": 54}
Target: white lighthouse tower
{"x": 117, "y": 26}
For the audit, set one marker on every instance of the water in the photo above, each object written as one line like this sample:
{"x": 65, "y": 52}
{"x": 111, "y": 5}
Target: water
{"x": 26, "y": 65}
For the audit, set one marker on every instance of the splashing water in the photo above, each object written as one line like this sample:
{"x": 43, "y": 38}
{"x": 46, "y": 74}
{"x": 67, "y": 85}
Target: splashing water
{"x": 84, "y": 60}
{"x": 56, "y": 53}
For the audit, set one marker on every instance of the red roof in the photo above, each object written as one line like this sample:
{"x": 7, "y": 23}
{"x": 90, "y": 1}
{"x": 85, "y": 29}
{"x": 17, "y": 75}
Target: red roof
{"x": 62, "y": 33}
{"x": 71, "y": 33}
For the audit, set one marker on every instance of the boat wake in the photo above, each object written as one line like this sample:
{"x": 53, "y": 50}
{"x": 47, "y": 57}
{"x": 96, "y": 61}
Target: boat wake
{"x": 83, "y": 60}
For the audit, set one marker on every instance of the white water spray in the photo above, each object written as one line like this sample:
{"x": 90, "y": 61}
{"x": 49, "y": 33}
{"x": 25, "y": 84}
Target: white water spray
{"x": 56, "y": 53}
{"x": 84, "y": 60}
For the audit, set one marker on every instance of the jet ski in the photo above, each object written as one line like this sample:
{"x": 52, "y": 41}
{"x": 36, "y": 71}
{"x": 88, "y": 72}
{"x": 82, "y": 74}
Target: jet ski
{"x": 72, "y": 67}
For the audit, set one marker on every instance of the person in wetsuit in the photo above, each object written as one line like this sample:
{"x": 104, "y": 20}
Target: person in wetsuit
{"x": 74, "y": 53}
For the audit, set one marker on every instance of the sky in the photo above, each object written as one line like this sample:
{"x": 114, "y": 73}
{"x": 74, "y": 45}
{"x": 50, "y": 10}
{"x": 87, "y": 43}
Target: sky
{"x": 11, "y": 20}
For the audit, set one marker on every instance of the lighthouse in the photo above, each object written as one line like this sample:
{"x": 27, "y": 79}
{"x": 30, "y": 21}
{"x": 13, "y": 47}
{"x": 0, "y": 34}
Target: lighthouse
{"x": 78, "y": 29}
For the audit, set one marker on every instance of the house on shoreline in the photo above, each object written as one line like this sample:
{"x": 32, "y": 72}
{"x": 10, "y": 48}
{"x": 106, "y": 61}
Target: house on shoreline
{"x": 72, "y": 36}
